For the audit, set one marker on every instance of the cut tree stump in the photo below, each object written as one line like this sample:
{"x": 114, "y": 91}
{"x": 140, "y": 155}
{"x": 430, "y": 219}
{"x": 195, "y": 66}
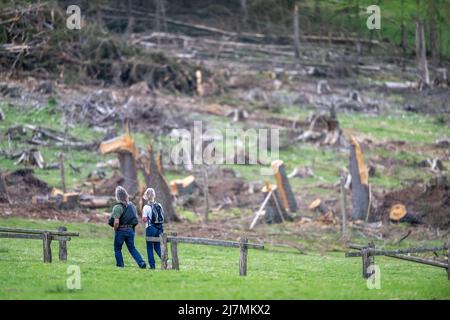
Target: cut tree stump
{"x": 274, "y": 211}
{"x": 399, "y": 213}
{"x": 360, "y": 181}
{"x": 287, "y": 197}
{"x": 127, "y": 153}
{"x": 4, "y": 196}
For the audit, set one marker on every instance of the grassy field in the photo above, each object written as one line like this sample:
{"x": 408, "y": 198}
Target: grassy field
{"x": 205, "y": 273}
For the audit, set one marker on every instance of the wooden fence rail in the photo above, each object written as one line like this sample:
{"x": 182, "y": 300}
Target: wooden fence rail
{"x": 61, "y": 235}
{"x": 368, "y": 255}
{"x": 164, "y": 239}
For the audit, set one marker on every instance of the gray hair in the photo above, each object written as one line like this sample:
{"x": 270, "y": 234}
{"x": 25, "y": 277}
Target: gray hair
{"x": 121, "y": 194}
{"x": 149, "y": 194}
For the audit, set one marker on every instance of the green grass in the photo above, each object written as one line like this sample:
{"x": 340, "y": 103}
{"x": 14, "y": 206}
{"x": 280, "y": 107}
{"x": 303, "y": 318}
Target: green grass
{"x": 412, "y": 128}
{"x": 342, "y": 15}
{"x": 205, "y": 273}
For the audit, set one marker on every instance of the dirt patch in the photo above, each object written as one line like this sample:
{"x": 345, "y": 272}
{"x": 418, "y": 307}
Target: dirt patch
{"x": 29, "y": 211}
{"x": 430, "y": 203}
{"x": 22, "y": 185}
{"x": 108, "y": 187}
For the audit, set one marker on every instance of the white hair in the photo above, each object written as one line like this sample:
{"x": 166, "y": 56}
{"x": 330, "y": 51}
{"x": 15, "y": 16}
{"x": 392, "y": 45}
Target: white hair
{"x": 149, "y": 194}
{"x": 121, "y": 194}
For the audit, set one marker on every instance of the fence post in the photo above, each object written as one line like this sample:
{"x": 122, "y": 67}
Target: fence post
{"x": 448, "y": 261}
{"x": 243, "y": 257}
{"x": 62, "y": 246}
{"x": 47, "y": 240}
{"x": 173, "y": 247}
{"x": 365, "y": 262}
{"x": 164, "y": 253}
{"x": 370, "y": 258}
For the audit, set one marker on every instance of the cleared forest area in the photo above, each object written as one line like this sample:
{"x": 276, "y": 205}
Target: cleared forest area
{"x": 363, "y": 121}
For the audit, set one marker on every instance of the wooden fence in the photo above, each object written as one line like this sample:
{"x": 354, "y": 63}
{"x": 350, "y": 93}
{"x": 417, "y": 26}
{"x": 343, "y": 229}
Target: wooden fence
{"x": 368, "y": 256}
{"x": 61, "y": 235}
{"x": 164, "y": 239}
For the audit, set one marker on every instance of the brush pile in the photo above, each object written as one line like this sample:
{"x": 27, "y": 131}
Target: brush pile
{"x": 35, "y": 40}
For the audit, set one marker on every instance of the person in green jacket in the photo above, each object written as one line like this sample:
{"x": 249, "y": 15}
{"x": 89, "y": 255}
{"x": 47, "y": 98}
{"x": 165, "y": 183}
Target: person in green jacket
{"x": 124, "y": 215}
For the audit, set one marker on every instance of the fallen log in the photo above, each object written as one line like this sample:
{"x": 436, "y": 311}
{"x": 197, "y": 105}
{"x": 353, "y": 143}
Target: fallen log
{"x": 95, "y": 202}
{"x": 183, "y": 187}
{"x": 377, "y": 252}
{"x": 400, "y": 86}
{"x": 32, "y": 157}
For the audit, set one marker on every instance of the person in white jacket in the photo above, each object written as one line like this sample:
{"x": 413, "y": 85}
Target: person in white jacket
{"x": 153, "y": 217}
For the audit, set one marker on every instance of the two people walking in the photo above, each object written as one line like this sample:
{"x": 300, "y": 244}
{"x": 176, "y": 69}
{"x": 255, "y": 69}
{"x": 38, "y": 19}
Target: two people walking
{"x": 124, "y": 220}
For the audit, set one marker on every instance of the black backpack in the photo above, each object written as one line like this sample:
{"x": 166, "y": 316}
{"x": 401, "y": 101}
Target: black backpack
{"x": 157, "y": 213}
{"x": 128, "y": 216}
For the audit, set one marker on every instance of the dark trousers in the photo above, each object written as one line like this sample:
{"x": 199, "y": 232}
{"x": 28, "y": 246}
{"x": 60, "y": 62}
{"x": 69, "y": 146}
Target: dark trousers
{"x": 127, "y": 236}
{"x": 153, "y": 231}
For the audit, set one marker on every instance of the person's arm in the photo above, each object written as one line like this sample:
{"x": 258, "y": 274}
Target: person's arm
{"x": 117, "y": 212}
{"x": 145, "y": 214}
{"x": 116, "y": 224}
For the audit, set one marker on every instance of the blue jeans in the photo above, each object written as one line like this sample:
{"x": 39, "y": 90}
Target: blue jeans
{"x": 153, "y": 231}
{"x": 127, "y": 236}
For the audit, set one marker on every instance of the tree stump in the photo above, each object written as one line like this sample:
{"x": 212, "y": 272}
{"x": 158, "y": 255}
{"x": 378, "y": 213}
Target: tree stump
{"x": 284, "y": 188}
{"x": 156, "y": 180}
{"x": 4, "y": 196}
{"x": 360, "y": 182}
{"x": 275, "y": 212}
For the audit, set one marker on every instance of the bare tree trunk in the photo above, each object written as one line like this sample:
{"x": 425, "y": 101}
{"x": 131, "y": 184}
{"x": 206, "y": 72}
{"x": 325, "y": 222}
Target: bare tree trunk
{"x": 160, "y": 19}
{"x": 434, "y": 43}
{"x": 317, "y": 11}
{"x": 296, "y": 33}
{"x": 130, "y": 24}
{"x": 421, "y": 54}
{"x": 98, "y": 14}
{"x": 432, "y": 15}
{"x": 244, "y": 10}
{"x": 403, "y": 43}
